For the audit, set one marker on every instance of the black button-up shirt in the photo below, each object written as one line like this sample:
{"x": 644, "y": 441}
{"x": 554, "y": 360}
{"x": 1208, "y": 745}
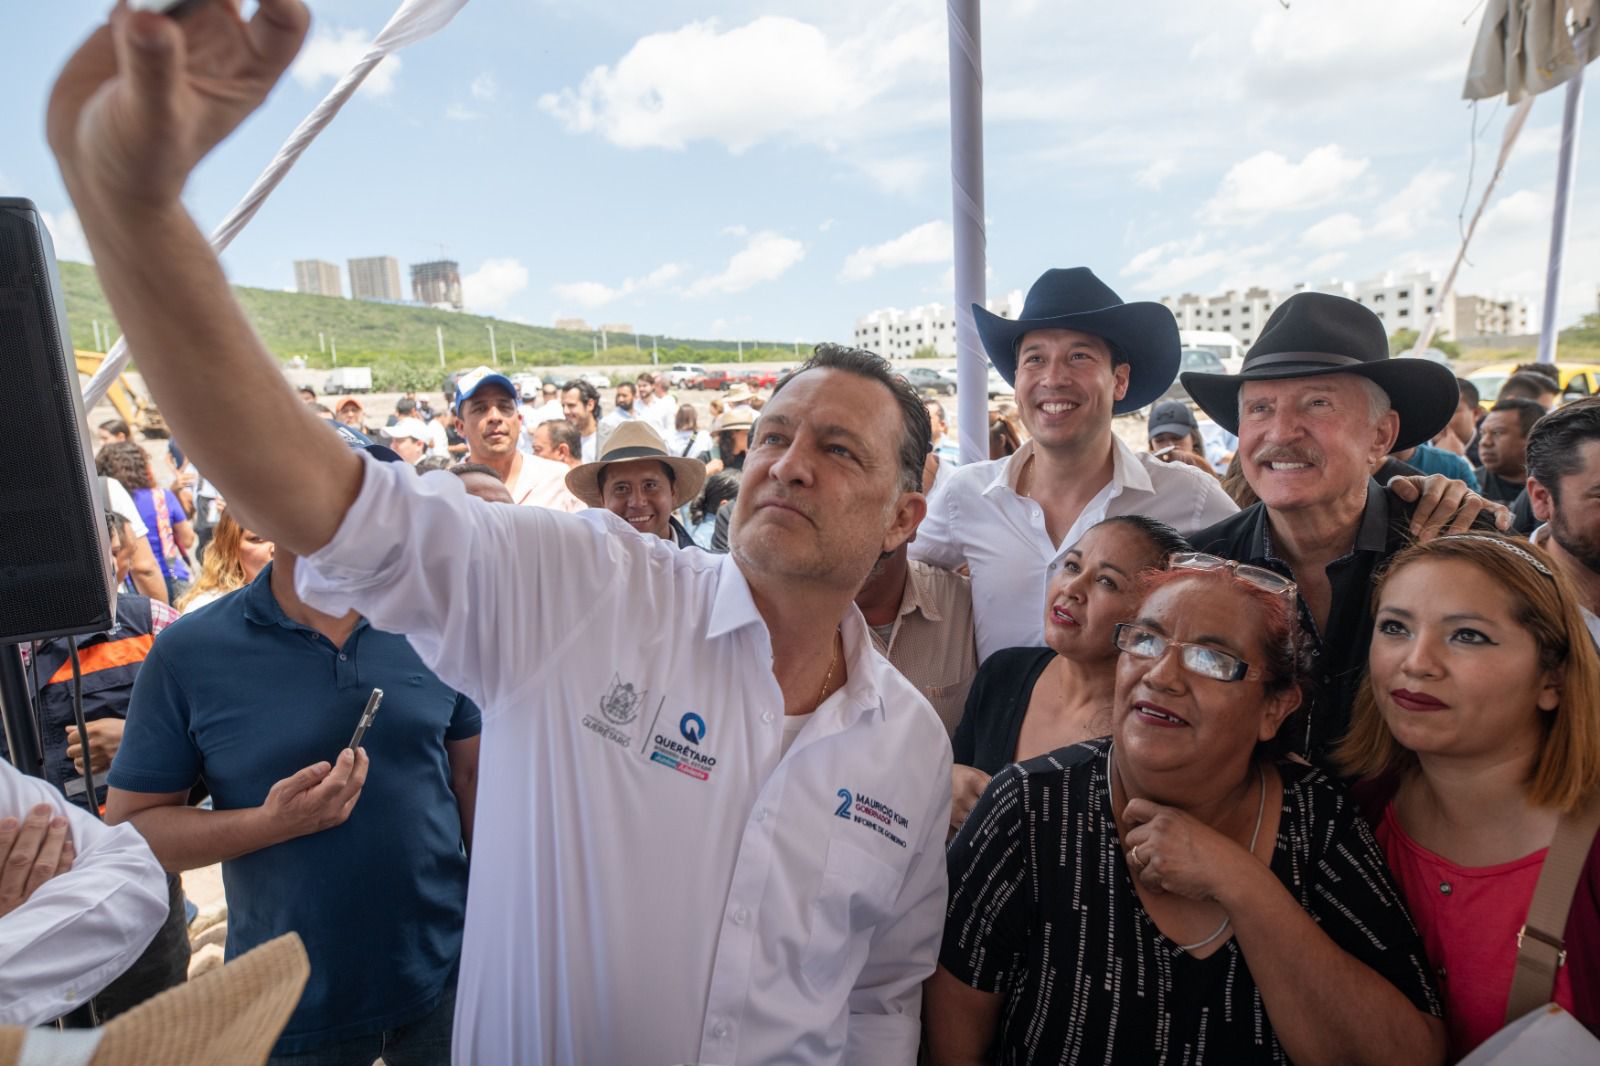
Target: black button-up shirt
{"x": 1336, "y": 657}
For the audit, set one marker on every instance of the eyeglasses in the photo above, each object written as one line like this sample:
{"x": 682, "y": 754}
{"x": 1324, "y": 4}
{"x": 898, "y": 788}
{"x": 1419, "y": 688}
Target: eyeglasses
{"x": 1196, "y": 658}
{"x": 1261, "y": 578}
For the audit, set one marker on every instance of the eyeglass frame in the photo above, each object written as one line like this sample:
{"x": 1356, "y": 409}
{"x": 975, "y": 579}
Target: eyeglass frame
{"x": 1241, "y": 668}
{"x": 1259, "y": 576}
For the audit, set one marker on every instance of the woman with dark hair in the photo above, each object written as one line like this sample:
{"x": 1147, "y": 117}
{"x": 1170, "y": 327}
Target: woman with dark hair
{"x": 1478, "y": 727}
{"x": 687, "y": 438}
{"x": 1003, "y": 437}
{"x": 1027, "y": 701}
{"x": 1173, "y": 893}
{"x": 170, "y": 531}
{"x": 721, "y": 489}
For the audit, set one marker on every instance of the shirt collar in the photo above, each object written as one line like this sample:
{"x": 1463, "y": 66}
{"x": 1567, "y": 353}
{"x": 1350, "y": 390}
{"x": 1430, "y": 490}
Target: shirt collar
{"x": 733, "y": 607}
{"x": 263, "y": 608}
{"x": 1128, "y": 474}
{"x": 1371, "y": 535}
{"x": 916, "y": 597}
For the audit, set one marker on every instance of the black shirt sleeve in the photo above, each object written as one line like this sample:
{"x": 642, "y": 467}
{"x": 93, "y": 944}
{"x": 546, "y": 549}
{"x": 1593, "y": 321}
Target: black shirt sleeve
{"x": 1357, "y": 904}
{"x": 996, "y": 706}
{"x": 986, "y": 923}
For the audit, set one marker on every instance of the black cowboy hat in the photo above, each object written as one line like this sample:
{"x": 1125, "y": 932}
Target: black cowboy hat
{"x": 1073, "y": 298}
{"x": 1312, "y": 334}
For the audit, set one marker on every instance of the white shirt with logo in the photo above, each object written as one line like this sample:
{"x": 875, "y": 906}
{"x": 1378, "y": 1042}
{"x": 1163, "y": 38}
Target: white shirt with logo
{"x": 655, "y": 879}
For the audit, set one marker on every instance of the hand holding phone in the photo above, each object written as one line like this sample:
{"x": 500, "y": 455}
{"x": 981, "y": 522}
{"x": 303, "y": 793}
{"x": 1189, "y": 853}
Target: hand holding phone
{"x": 367, "y": 715}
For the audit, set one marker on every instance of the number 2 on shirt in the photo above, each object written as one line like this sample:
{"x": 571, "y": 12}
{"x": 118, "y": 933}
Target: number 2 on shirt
{"x": 845, "y": 799}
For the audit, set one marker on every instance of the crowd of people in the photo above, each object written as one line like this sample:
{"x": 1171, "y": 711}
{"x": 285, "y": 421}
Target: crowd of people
{"x": 796, "y": 738}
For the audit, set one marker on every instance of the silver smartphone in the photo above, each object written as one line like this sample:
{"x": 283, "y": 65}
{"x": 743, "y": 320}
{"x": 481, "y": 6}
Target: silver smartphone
{"x": 366, "y": 717}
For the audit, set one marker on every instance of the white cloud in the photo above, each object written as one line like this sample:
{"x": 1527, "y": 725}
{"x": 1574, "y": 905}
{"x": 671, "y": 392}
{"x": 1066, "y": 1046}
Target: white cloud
{"x": 459, "y": 113}
{"x": 1333, "y": 231}
{"x": 66, "y": 233}
{"x": 591, "y": 295}
{"x": 738, "y": 229}
{"x": 484, "y": 88}
{"x": 895, "y": 176}
{"x": 331, "y": 52}
{"x": 1415, "y": 206}
{"x": 1156, "y": 174}
{"x": 931, "y": 242}
{"x": 1525, "y": 207}
{"x": 493, "y": 284}
{"x": 766, "y": 256}
{"x": 826, "y": 225}
{"x": 1268, "y": 183}
{"x": 772, "y": 78}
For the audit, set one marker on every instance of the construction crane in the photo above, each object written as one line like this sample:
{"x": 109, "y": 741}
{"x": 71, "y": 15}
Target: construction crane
{"x": 131, "y": 407}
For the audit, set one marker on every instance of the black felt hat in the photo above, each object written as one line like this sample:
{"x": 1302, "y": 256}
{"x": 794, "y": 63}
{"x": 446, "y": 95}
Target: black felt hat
{"x": 1312, "y": 334}
{"x": 1073, "y": 298}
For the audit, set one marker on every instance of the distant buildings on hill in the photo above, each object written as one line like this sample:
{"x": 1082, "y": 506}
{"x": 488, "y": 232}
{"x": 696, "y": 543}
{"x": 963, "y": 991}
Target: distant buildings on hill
{"x": 376, "y": 278}
{"x": 435, "y": 284}
{"x": 316, "y": 277}
{"x": 897, "y": 334}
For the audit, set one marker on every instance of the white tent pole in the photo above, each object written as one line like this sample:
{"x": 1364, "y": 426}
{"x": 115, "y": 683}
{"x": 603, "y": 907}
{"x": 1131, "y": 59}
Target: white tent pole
{"x": 1514, "y": 126}
{"x": 966, "y": 180}
{"x": 1571, "y": 116}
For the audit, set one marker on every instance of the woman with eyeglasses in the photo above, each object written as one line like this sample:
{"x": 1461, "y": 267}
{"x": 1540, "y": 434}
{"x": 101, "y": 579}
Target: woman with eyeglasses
{"x": 1173, "y": 893}
{"x": 1027, "y": 701}
{"x": 1479, "y": 728}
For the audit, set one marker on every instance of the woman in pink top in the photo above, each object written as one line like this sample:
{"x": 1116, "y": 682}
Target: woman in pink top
{"x": 1479, "y": 724}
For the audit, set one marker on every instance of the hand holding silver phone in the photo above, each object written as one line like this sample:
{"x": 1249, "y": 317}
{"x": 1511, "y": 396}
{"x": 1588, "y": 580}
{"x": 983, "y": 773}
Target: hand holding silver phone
{"x": 167, "y": 7}
{"x": 366, "y": 718}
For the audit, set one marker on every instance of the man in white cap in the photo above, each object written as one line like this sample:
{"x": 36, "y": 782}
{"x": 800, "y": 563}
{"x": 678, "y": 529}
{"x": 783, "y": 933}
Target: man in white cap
{"x": 1077, "y": 355}
{"x": 486, "y": 411}
{"x": 408, "y": 437}
{"x": 639, "y": 481}
{"x": 717, "y": 815}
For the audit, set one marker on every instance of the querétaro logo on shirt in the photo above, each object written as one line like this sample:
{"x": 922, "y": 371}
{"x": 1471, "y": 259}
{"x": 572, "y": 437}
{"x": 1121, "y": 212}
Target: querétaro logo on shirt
{"x": 693, "y": 727}
{"x": 861, "y": 809}
{"x": 619, "y": 707}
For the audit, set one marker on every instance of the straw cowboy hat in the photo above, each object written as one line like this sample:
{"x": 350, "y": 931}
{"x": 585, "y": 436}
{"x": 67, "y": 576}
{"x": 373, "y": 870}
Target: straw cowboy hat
{"x": 636, "y": 440}
{"x": 1073, "y": 298}
{"x": 230, "y": 1015}
{"x": 738, "y": 395}
{"x": 1313, "y": 334}
{"x": 734, "y": 418}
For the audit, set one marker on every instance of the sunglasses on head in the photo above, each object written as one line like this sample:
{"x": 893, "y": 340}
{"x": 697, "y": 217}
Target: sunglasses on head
{"x": 1261, "y": 578}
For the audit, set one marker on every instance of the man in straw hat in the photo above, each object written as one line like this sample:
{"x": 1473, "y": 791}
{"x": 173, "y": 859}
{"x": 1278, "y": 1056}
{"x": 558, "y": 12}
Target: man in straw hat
{"x": 1317, "y": 406}
{"x": 639, "y": 481}
{"x": 717, "y": 815}
{"x": 1077, "y": 355}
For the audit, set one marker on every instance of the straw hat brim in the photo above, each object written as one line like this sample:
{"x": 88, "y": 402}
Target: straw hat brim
{"x": 689, "y": 475}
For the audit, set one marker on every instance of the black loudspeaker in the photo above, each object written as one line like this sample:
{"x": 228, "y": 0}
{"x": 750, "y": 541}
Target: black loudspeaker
{"x": 56, "y": 576}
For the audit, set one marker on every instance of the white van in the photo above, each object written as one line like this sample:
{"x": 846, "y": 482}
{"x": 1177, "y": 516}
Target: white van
{"x": 347, "y": 379}
{"x": 1222, "y": 345}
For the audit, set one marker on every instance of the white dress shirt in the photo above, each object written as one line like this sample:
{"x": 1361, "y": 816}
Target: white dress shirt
{"x": 977, "y": 518}
{"x": 661, "y": 883}
{"x": 542, "y": 483}
{"x": 80, "y": 930}
{"x": 661, "y": 412}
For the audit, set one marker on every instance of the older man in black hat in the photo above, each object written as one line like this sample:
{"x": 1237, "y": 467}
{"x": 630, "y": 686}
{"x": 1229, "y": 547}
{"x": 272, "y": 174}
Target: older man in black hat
{"x": 1318, "y": 405}
{"x": 1077, "y": 355}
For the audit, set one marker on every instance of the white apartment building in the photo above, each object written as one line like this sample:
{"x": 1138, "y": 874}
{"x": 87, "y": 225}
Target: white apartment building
{"x": 1401, "y": 300}
{"x": 317, "y": 277}
{"x": 897, "y": 334}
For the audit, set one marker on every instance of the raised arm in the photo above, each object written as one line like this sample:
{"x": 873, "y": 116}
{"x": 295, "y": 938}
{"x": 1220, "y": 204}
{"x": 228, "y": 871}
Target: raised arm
{"x": 135, "y": 109}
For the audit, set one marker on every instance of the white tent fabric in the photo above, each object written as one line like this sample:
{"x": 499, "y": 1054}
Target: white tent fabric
{"x": 1524, "y": 47}
{"x": 413, "y": 21}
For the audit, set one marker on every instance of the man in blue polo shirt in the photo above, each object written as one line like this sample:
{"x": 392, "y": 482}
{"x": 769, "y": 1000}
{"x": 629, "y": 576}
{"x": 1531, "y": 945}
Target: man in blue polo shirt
{"x": 260, "y": 694}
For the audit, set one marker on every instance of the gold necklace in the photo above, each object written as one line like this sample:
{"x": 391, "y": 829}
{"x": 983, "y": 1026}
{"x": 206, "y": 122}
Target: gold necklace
{"x": 828, "y": 677}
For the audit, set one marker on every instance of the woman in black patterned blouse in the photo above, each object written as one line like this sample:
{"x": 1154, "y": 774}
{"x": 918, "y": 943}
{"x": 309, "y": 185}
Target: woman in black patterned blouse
{"x": 1173, "y": 894}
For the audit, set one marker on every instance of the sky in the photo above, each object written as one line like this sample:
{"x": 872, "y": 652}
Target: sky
{"x": 736, "y": 169}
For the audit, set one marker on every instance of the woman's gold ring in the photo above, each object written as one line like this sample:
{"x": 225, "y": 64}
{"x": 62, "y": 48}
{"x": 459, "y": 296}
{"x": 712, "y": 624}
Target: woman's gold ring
{"x": 1134, "y": 855}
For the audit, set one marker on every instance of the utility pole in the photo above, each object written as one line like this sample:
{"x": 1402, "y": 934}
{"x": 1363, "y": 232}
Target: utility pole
{"x": 438, "y": 332}
{"x": 322, "y": 343}
{"x": 494, "y": 355}
{"x": 513, "y": 353}
{"x": 333, "y": 342}
{"x": 655, "y": 350}
{"x": 604, "y": 344}
{"x": 594, "y": 339}
{"x": 741, "y": 351}
{"x": 99, "y": 346}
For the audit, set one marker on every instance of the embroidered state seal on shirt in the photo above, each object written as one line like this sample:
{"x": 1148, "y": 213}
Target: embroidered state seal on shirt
{"x": 618, "y": 707}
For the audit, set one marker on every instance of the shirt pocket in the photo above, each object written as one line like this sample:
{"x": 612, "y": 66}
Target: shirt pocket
{"x": 858, "y": 891}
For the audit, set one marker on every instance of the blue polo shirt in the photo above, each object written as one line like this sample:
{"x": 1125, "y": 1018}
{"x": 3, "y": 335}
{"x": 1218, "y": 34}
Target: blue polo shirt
{"x": 241, "y": 695}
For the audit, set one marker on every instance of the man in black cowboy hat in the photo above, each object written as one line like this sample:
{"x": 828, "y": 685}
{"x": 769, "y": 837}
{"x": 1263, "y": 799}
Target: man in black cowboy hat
{"x": 1317, "y": 406}
{"x": 1077, "y": 355}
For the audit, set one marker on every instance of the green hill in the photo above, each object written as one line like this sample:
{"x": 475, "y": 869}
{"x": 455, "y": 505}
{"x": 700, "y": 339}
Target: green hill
{"x": 400, "y": 343}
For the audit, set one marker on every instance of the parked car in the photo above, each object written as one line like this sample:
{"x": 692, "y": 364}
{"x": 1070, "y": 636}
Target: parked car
{"x": 597, "y": 379}
{"x": 346, "y": 379}
{"x": 1200, "y": 360}
{"x": 998, "y": 386}
{"x": 950, "y": 374}
{"x": 1577, "y": 381}
{"x": 711, "y": 381}
{"x": 528, "y": 386}
{"x": 928, "y": 380}
{"x": 759, "y": 379}
{"x": 1219, "y": 343}
{"x": 682, "y": 373}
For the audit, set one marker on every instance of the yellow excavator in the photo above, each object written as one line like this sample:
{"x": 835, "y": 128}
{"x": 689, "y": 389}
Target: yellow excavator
{"x": 134, "y": 409}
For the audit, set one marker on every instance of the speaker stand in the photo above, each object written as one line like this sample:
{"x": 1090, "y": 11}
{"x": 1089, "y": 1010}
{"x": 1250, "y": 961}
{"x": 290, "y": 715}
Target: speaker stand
{"x": 16, "y": 713}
